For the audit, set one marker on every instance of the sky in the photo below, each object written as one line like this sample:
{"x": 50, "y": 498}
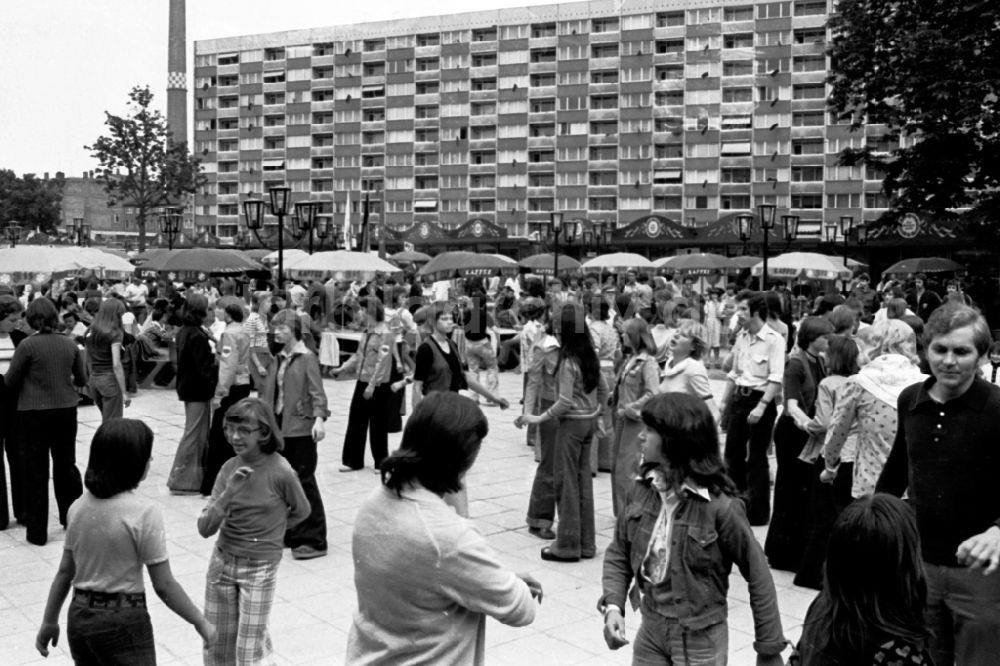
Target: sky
{"x": 63, "y": 63}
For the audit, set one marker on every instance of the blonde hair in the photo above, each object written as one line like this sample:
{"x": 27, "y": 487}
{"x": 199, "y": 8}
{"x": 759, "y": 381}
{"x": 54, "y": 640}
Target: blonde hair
{"x": 698, "y": 334}
{"x": 892, "y": 336}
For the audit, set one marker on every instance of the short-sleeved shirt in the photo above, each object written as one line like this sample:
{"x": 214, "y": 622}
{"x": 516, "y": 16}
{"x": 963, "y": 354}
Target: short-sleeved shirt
{"x": 112, "y": 539}
{"x": 99, "y": 353}
{"x": 432, "y": 364}
{"x": 758, "y": 358}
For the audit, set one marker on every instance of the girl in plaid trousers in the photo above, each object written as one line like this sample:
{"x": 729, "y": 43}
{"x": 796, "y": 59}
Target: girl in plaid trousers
{"x": 256, "y": 498}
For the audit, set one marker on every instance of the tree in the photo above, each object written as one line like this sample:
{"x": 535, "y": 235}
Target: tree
{"x": 30, "y": 201}
{"x": 929, "y": 70}
{"x": 140, "y": 166}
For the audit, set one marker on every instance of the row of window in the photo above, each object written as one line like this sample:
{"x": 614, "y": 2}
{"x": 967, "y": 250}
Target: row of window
{"x": 598, "y": 25}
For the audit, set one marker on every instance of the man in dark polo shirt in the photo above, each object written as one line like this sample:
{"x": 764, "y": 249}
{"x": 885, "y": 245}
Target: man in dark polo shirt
{"x": 758, "y": 367}
{"x": 946, "y": 456}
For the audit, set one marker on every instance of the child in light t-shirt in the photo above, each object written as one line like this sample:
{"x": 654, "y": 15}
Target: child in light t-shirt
{"x": 111, "y": 534}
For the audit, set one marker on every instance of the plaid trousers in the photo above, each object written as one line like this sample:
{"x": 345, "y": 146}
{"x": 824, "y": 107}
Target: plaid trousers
{"x": 239, "y": 592}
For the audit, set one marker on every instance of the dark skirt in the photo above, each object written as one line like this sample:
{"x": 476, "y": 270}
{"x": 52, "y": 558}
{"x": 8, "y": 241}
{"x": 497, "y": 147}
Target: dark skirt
{"x": 826, "y": 501}
{"x": 786, "y": 536}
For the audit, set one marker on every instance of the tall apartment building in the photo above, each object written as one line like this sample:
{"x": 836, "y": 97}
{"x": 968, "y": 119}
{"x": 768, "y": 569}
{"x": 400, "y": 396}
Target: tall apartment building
{"x": 608, "y": 110}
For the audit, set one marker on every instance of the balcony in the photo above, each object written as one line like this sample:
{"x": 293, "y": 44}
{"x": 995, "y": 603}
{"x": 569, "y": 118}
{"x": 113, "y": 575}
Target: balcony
{"x": 274, "y": 87}
{"x": 322, "y": 106}
{"x": 321, "y": 151}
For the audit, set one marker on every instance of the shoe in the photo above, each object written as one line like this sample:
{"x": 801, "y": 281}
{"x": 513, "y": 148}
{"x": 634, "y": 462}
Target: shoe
{"x": 348, "y": 468}
{"x": 587, "y": 556}
{"x": 307, "y": 553}
{"x": 184, "y": 492}
{"x": 549, "y": 556}
{"x": 542, "y": 533}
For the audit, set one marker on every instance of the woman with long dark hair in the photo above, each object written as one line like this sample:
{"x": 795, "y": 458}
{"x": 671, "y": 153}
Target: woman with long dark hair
{"x": 682, "y": 531}
{"x": 197, "y": 375}
{"x": 103, "y": 341}
{"x": 873, "y": 613}
{"x": 43, "y": 373}
{"x": 426, "y": 578}
{"x": 582, "y": 394}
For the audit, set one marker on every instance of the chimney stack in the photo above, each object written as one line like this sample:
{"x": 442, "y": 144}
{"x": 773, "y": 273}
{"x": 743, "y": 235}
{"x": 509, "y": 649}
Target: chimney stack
{"x": 177, "y": 72}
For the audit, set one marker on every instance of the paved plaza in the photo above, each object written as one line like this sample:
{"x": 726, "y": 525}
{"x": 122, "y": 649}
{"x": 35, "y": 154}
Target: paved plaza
{"x": 316, "y": 598}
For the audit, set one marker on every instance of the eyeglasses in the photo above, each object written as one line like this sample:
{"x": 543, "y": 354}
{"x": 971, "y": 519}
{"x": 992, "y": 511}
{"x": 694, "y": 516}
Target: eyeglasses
{"x": 242, "y": 431}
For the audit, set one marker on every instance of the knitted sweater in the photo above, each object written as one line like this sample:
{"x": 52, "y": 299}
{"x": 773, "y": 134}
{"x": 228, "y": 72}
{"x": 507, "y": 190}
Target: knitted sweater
{"x": 43, "y": 372}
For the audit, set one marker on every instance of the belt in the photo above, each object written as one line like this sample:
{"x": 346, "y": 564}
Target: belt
{"x": 110, "y": 599}
{"x": 747, "y": 391}
{"x": 605, "y": 363}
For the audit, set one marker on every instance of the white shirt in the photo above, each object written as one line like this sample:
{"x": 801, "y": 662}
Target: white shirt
{"x": 441, "y": 290}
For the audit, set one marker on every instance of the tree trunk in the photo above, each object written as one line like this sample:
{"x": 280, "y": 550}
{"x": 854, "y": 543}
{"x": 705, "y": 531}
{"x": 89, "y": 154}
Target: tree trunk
{"x": 140, "y": 224}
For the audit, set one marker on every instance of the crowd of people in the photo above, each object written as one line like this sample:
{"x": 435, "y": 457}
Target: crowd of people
{"x": 858, "y": 398}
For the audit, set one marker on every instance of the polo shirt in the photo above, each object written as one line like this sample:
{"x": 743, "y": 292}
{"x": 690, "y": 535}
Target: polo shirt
{"x": 947, "y": 458}
{"x": 758, "y": 358}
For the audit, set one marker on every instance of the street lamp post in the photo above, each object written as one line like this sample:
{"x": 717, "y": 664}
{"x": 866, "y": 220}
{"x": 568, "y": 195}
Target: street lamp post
{"x": 766, "y": 214}
{"x": 555, "y": 228}
{"x": 253, "y": 211}
{"x": 13, "y": 233}
{"x": 790, "y": 226}
{"x": 305, "y": 219}
{"x": 170, "y": 224}
{"x": 846, "y": 228}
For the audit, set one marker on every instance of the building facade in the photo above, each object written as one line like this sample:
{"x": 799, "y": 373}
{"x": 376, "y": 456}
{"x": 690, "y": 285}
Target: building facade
{"x": 607, "y": 110}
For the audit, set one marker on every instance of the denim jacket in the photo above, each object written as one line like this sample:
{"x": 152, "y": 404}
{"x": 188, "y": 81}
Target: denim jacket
{"x": 707, "y": 538}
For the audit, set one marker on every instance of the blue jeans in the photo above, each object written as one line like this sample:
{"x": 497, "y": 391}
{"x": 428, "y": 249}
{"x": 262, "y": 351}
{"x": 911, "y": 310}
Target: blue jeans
{"x": 661, "y": 642}
{"x": 106, "y": 636}
{"x": 575, "y": 533}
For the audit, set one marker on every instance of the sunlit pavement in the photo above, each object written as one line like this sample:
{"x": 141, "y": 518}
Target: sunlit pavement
{"x": 315, "y": 598}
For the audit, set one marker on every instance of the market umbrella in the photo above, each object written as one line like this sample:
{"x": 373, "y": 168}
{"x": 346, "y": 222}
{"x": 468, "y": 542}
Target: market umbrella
{"x": 291, "y": 258}
{"x": 449, "y": 264}
{"x": 745, "y": 261}
{"x": 618, "y": 261}
{"x": 923, "y": 265}
{"x": 257, "y": 253}
{"x": 806, "y": 265}
{"x": 201, "y": 261}
{"x": 542, "y": 264}
{"x": 410, "y": 257}
{"x": 343, "y": 265}
{"x": 701, "y": 263}
{"x": 103, "y": 263}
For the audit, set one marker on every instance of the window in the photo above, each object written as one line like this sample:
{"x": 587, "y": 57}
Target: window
{"x": 374, "y": 69}
{"x": 543, "y": 105}
{"x": 669, "y": 72}
{"x": 605, "y": 127}
{"x": 772, "y": 66}
{"x": 542, "y": 129}
{"x": 482, "y": 157}
{"x": 807, "y": 118}
{"x": 427, "y": 87}
{"x": 603, "y": 153}
{"x": 667, "y": 202}
{"x": 810, "y": 7}
{"x": 274, "y": 54}
{"x": 428, "y": 39}
{"x": 734, "y": 122}
{"x": 807, "y": 201}
{"x": 604, "y": 51}
{"x": 541, "y": 180}
{"x": 736, "y": 175}
{"x": 604, "y": 101}
{"x": 731, "y": 95}
{"x": 734, "y": 201}
{"x": 482, "y": 205}
{"x": 539, "y": 80}
{"x": 809, "y": 36}
{"x": 730, "y": 148}
{"x": 873, "y": 172}
{"x": 731, "y": 14}
{"x": 809, "y": 91}
{"x": 602, "y": 203}
{"x": 669, "y": 98}
{"x": 543, "y": 55}
{"x": 737, "y": 68}
{"x": 604, "y": 76}
{"x": 669, "y": 46}
{"x": 668, "y": 150}
{"x": 541, "y": 156}
{"x": 373, "y": 160}
{"x": 482, "y": 108}
{"x": 484, "y": 59}
{"x": 876, "y": 200}
{"x": 809, "y": 63}
{"x": 490, "y": 83}
{"x": 667, "y": 176}
{"x": 602, "y": 178}
{"x": 667, "y": 124}
{"x": 539, "y": 30}
{"x": 843, "y": 200}
{"x": 700, "y": 202}
{"x": 803, "y": 174}
{"x": 807, "y": 146}
{"x": 228, "y": 59}
{"x": 541, "y": 204}
{"x": 667, "y": 20}
{"x": 427, "y": 64}
{"x": 481, "y": 132}
{"x": 707, "y": 15}
{"x": 484, "y": 35}
{"x": 702, "y": 150}
{"x": 322, "y": 95}
{"x": 425, "y": 159}
{"x": 373, "y": 45}
{"x": 774, "y": 10}
{"x": 604, "y": 25}
{"x": 371, "y": 92}
{"x": 431, "y": 134}
{"x": 738, "y": 41}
